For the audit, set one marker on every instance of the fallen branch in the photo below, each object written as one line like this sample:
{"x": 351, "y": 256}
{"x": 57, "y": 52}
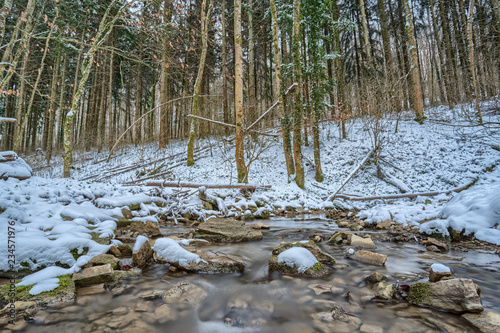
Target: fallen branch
{"x": 289, "y": 90}
{"x": 401, "y": 196}
{"x": 332, "y": 197}
{"x": 229, "y": 125}
{"x": 194, "y": 185}
{"x": 7, "y": 120}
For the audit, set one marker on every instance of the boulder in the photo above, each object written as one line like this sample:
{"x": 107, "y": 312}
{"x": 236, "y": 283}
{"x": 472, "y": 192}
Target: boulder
{"x": 438, "y": 272}
{"x": 310, "y": 245}
{"x": 165, "y": 313}
{"x": 93, "y": 275}
{"x": 226, "y": 231}
{"x": 103, "y": 259}
{"x": 432, "y": 244}
{"x": 113, "y": 250}
{"x": 454, "y": 295}
{"x": 367, "y": 257}
{"x": 384, "y": 224}
{"x": 340, "y": 237}
{"x": 486, "y": 321}
{"x": 362, "y": 242}
{"x": 149, "y": 229}
{"x": 185, "y": 292}
{"x": 143, "y": 256}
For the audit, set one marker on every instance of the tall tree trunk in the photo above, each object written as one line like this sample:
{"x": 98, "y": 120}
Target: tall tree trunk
{"x": 298, "y": 108}
{"x": 365, "y": 34}
{"x": 52, "y": 109}
{"x": 238, "y": 96}
{"x": 225, "y": 106}
{"x": 111, "y": 112}
{"x": 205, "y": 16}
{"x": 414, "y": 59}
{"x": 339, "y": 71}
{"x": 138, "y": 100}
{"x": 278, "y": 93}
{"x": 252, "y": 103}
{"x": 471, "y": 60}
{"x": 164, "y": 84}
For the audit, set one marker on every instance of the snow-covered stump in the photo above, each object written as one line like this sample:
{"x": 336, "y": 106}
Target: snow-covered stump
{"x": 12, "y": 166}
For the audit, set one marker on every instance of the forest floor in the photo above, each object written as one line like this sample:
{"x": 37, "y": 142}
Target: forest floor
{"x": 60, "y": 224}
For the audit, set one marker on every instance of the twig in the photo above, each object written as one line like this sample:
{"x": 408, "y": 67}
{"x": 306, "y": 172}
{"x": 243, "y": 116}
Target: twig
{"x": 194, "y": 185}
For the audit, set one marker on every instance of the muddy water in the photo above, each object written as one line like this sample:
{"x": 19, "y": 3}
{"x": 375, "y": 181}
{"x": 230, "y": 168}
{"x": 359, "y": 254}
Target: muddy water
{"x": 255, "y": 301}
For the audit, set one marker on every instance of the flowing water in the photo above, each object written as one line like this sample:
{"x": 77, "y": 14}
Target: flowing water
{"x": 254, "y": 301}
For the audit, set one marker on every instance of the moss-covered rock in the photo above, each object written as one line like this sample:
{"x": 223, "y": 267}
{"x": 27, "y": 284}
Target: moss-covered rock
{"x": 94, "y": 275}
{"x": 316, "y": 271}
{"x": 64, "y": 293}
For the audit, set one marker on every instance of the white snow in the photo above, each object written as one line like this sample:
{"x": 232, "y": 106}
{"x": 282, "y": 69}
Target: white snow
{"x": 440, "y": 268}
{"x": 298, "y": 257}
{"x": 169, "y": 249}
{"x": 139, "y": 241}
{"x": 16, "y": 168}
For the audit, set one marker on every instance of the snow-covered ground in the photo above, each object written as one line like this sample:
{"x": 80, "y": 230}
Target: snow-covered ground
{"x": 54, "y": 216}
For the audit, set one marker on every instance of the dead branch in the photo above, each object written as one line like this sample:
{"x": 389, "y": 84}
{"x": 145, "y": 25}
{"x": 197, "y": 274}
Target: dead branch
{"x": 401, "y": 196}
{"x": 351, "y": 175}
{"x": 230, "y": 125}
{"x": 194, "y": 185}
{"x": 289, "y": 90}
{"x": 7, "y": 120}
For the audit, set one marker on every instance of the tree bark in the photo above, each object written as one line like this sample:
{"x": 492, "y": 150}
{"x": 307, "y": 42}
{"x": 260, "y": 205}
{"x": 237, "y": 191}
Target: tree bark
{"x": 238, "y": 96}
{"x": 471, "y": 60}
{"x": 205, "y": 15}
{"x": 4, "y": 12}
{"x": 252, "y": 103}
{"x": 298, "y": 108}
{"x": 414, "y": 67}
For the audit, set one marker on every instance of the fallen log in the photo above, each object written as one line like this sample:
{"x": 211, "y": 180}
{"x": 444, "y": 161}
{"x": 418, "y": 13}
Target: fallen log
{"x": 332, "y": 197}
{"x": 194, "y": 185}
{"x": 8, "y": 156}
{"x": 401, "y": 196}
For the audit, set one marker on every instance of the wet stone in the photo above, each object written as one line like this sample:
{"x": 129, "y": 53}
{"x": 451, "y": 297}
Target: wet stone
{"x": 185, "y": 292}
{"x": 94, "y": 275}
{"x": 103, "y": 259}
{"x": 368, "y": 257}
{"x": 486, "y": 321}
{"x": 226, "y": 231}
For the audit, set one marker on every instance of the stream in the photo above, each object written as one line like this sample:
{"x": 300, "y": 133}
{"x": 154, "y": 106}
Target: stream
{"x": 255, "y": 301}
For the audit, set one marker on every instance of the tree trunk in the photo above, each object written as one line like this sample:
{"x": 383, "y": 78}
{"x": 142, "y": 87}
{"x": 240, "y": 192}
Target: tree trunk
{"x": 252, "y": 103}
{"x": 365, "y": 34}
{"x": 414, "y": 68}
{"x": 205, "y": 15}
{"x": 471, "y": 60}
{"x": 278, "y": 93}
{"x": 238, "y": 96}
{"x": 298, "y": 108}
{"x": 225, "y": 106}
{"x": 164, "y": 84}
{"x": 52, "y": 109}
{"x": 4, "y": 12}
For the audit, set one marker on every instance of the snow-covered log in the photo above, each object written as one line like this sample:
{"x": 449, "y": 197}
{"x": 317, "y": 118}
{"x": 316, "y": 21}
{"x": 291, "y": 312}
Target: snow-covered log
{"x": 195, "y": 185}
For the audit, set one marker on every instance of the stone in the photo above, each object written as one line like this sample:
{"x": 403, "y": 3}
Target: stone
{"x": 142, "y": 257}
{"x": 486, "y": 321}
{"x": 260, "y": 226}
{"x": 118, "y": 290}
{"x": 226, "y": 231}
{"x": 317, "y": 271}
{"x": 134, "y": 272}
{"x": 437, "y": 276}
{"x": 93, "y": 275}
{"x": 339, "y": 237}
{"x": 18, "y": 306}
{"x": 375, "y": 277}
{"x": 91, "y": 290}
{"x": 149, "y": 229}
{"x": 153, "y": 294}
{"x": 441, "y": 246}
{"x": 122, "y": 310}
{"x": 384, "y": 224}
{"x": 127, "y": 213}
{"x": 362, "y": 242}
{"x": 455, "y": 295}
{"x": 184, "y": 292}
{"x": 113, "y": 250}
{"x": 165, "y": 313}
{"x": 125, "y": 250}
{"x": 384, "y": 290}
{"x": 368, "y": 257}
{"x": 321, "y": 289}
{"x": 103, "y": 259}
{"x": 217, "y": 263}
{"x": 321, "y": 256}
{"x": 343, "y": 224}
